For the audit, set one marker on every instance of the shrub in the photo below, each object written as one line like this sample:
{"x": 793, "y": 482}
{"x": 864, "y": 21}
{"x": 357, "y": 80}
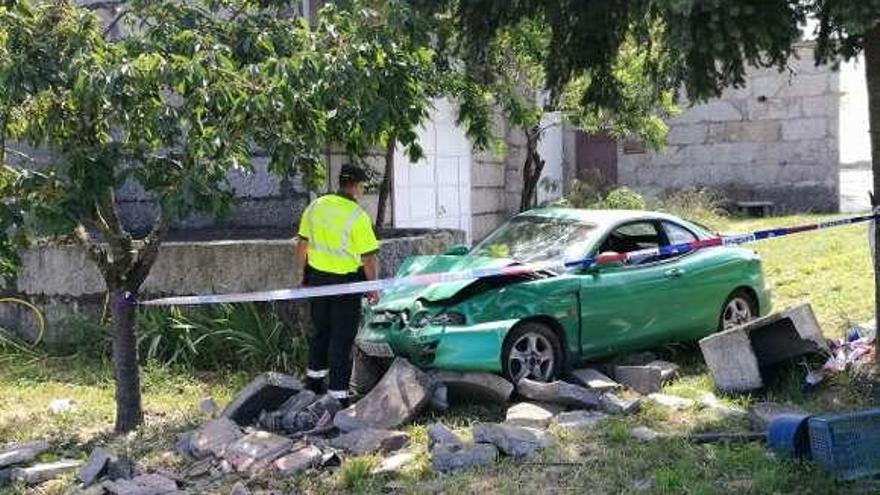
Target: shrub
{"x": 588, "y": 195}
{"x": 622, "y": 198}
{"x": 702, "y": 206}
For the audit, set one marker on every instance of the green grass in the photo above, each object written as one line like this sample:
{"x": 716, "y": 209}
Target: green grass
{"x": 829, "y": 269}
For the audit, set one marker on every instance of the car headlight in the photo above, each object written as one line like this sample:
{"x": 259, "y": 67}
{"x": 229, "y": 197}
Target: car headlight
{"x": 449, "y": 318}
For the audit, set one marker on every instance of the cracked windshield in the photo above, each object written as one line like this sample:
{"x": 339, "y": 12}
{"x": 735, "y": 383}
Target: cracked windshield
{"x": 532, "y": 239}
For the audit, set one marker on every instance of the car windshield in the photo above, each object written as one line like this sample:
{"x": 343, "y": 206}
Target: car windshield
{"x": 533, "y": 239}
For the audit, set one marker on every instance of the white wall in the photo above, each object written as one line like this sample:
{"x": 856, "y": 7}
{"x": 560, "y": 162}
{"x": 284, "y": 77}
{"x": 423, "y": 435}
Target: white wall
{"x": 551, "y": 149}
{"x": 855, "y": 141}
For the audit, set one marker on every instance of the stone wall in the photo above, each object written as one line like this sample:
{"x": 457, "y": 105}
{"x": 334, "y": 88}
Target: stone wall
{"x": 775, "y": 139}
{"x": 62, "y": 281}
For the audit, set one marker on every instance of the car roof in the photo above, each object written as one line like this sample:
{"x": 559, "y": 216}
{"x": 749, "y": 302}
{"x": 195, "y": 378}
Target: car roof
{"x": 600, "y": 218}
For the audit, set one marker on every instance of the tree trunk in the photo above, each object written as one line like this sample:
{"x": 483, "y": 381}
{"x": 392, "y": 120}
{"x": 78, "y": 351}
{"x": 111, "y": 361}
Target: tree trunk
{"x": 532, "y": 169}
{"x": 872, "y": 72}
{"x": 387, "y": 180}
{"x": 129, "y": 411}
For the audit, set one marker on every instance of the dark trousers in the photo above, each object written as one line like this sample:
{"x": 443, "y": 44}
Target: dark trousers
{"x": 335, "y": 320}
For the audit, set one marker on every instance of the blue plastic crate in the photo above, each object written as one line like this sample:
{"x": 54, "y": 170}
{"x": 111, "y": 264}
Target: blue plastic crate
{"x": 848, "y": 444}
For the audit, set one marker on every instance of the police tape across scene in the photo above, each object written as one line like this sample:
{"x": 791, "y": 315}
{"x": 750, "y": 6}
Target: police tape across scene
{"x": 514, "y": 270}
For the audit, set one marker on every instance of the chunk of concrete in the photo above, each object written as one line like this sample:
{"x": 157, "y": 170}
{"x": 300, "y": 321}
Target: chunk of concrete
{"x": 255, "y": 451}
{"x": 515, "y": 441}
{"x": 39, "y": 473}
{"x": 267, "y": 392}
{"x": 440, "y": 434}
{"x": 468, "y": 387}
{"x": 440, "y": 398}
{"x": 286, "y": 416}
{"x": 317, "y": 414}
{"x": 396, "y": 399}
{"x": 612, "y": 404}
{"x": 95, "y": 465}
{"x": 672, "y": 401}
{"x": 21, "y": 454}
{"x": 445, "y": 459}
{"x": 558, "y": 392}
{"x": 395, "y": 462}
{"x": 579, "y": 420}
{"x": 145, "y": 484}
{"x": 308, "y": 456}
{"x": 735, "y": 356}
{"x": 668, "y": 370}
{"x": 532, "y": 414}
{"x": 367, "y": 440}
{"x": 762, "y": 413}
{"x": 644, "y": 434}
{"x": 594, "y": 380}
{"x": 642, "y": 379}
{"x": 214, "y": 437}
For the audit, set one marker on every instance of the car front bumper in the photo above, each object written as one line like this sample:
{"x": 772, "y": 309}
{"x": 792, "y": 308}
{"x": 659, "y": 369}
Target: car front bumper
{"x": 460, "y": 348}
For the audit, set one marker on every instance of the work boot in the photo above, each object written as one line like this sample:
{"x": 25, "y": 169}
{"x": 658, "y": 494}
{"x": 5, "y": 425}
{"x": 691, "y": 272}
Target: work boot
{"x": 316, "y": 385}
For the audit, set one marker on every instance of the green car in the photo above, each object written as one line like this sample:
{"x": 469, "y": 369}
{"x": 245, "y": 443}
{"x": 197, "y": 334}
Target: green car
{"x": 538, "y": 325}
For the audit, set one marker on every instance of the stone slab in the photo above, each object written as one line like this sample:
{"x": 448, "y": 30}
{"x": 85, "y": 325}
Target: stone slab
{"x": 515, "y": 441}
{"x": 214, "y": 437}
{"x": 668, "y": 370}
{"x": 532, "y": 414}
{"x": 401, "y": 393}
{"x": 440, "y": 434}
{"x": 642, "y": 379}
{"x": 367, "y": 440}
{"x": 95, "y": 465}
{"x": 39, "y": 473}
{"x": 594, "y": 380}
{"x": 445, "y": 459}
{"x": 577, "y": 420}
{"x": 21, "y": 454}
{"x": 299, "y": 460}
{"x": 612, "y": 404}
{"x": 145, "y": 484}
{"x": 395, "y": 462}
{"x": 474, "y": 386}
{"x": 266, "y": 392}
{"x": 256, "y": 450}
{"x": 558, "y": 392}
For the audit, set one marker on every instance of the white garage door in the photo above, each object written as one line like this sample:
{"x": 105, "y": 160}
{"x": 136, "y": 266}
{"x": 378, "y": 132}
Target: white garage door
{"x": 436, "y": 191}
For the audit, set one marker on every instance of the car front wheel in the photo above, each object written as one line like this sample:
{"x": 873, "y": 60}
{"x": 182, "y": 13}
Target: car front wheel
{"x": 531, "y": 350}
{"x": 739, "y": 309}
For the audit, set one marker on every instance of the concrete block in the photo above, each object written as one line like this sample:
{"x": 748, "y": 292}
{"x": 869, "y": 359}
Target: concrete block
{"x": 299, "y": 460}
{"x": 255, "y": 451}
{"x": 214, "y": 437}
{"x": 687, "y": 134}
{"x": 464, "y": 386}
{"x": 557, "y": 392}
{"x": 642, "y": 379}
{"x": 95, "y": 465}
{"x": 445, "y": 459}
{"x": 440, "y": 434}
{"x": 21, "y": 454}
{"x": 612, "y": 404}
{"x": 594, "y": 380}
{"x": 773, "y": 108}
{"x": 515, "y": 441}
{"x": 145, "y": 484}
{"x": 487, "y": 200}
{"x": 367, "y": 440}
{"x": 820, "y": 106}
{"x": 266, "y": 392}
{"x": 668, "y": 370}
{"x": 804, "y": 129}
{"x": 487, "y": 174}
{"x": 806, "y": 85}
{"x": 399, "y": 395}
{"x": 40, "y": 473}
{"x": 735, "y": 357}
{"x": 531, "y": 414}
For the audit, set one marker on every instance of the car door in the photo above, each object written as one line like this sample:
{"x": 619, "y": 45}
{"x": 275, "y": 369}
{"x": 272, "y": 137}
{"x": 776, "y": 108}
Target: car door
{"x": 627, "y": 307}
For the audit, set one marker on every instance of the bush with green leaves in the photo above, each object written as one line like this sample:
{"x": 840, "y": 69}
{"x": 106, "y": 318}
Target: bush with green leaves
{"x": 701, "y": 205}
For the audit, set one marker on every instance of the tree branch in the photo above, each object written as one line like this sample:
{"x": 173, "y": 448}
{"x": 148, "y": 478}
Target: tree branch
{"x": 95, "y": 252}
{"x": 148, "y": 253}
{"x": 109, "y": 4}
{"x": 114, "y": 22}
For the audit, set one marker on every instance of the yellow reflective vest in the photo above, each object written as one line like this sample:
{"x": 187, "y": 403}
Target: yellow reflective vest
{"x": 339, "y": 232}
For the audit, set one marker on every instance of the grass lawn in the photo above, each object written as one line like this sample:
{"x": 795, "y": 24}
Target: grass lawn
{"x": 830, "y": 269}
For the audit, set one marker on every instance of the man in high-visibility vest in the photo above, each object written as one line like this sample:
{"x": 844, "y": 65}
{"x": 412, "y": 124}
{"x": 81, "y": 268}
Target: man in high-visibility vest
{"x": 336, "y": 246}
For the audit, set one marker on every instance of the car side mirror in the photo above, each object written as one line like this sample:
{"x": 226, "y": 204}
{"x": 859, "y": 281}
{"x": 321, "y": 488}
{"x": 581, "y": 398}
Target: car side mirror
{"x": 457, "y": 250}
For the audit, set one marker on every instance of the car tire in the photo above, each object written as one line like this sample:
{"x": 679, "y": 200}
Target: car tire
{"x": 739, "y": 307}
{"x": 531, "y": 344}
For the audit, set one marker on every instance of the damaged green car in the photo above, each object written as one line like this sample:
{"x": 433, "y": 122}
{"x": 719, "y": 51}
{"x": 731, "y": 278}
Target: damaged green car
{"x": 538, "y": 325}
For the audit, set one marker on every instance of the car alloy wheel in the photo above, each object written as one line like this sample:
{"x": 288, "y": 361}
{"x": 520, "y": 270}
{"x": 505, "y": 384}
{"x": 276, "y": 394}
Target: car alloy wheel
{"x": 531, "y": 356}
{"x": 737, "y": 311}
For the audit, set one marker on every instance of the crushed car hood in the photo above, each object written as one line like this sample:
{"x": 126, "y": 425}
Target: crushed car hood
{"x": 420, "y": 265}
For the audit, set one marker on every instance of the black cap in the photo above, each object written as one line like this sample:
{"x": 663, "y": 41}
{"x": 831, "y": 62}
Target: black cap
{"x": 351, "y": 173}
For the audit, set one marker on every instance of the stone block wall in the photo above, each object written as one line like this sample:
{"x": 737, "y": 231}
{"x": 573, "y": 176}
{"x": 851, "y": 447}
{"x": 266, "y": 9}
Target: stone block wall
{"x": 776, "y": 139}
{"x": 62, "y": 281}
